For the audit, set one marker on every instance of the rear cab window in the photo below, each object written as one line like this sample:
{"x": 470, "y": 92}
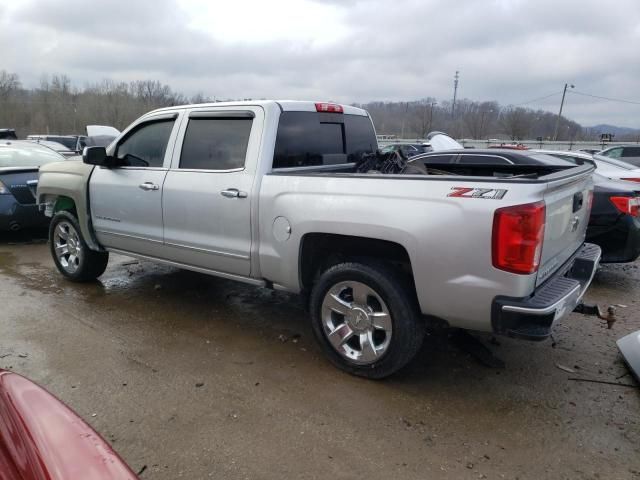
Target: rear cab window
{"x": 312, "y": 139}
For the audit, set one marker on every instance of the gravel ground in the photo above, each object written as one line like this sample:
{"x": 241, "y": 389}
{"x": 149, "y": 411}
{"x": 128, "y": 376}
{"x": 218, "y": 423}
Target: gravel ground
{"x": 197, "y": 377}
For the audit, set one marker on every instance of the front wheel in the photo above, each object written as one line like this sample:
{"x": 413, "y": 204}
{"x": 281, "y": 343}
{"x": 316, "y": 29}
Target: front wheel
{"x": 366, "y": 318}
{"x": 73, "y": 258}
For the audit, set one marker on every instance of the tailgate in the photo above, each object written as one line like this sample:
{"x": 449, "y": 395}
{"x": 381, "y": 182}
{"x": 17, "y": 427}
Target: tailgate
{"x": 567, "y": 209}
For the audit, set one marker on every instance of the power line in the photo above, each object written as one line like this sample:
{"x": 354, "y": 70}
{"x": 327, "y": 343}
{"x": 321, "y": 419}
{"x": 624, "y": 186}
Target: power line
{"x": 605, "y": 98}
{"x": 537, "y": 99}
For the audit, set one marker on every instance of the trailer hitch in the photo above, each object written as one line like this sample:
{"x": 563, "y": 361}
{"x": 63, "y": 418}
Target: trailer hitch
{"x": 594, "y": 310}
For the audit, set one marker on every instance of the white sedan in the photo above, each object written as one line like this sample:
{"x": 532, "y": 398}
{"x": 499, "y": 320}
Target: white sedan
{"x": 607, "y": 167}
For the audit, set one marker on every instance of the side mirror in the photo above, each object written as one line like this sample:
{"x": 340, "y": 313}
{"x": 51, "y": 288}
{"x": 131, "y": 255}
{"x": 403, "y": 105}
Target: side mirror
{"x": 96, "y": 156}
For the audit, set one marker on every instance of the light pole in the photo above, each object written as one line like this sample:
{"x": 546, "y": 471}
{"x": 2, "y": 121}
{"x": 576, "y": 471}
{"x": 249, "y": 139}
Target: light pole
{"x": 564, "y": 93}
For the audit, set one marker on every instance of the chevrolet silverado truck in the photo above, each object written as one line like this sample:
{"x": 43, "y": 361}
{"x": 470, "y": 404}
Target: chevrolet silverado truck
{"x": 292, "y": 196}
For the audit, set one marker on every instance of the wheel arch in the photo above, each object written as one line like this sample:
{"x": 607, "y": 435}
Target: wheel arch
{"x": 69, "y": 201}
{"x": 320, "y": 251}
{"x": 64, "y": 203}
{"x": 65, "y": 186}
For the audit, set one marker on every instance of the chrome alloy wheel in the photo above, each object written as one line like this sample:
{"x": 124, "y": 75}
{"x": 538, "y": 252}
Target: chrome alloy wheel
{"x": 356, "y": 322}
{"x": 67, "y": 246}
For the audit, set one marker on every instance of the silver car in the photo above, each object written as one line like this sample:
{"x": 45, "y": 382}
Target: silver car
{"x": 627, "y": 153}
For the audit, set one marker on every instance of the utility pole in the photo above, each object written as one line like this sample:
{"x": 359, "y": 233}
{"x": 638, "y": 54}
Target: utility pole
{"x": 564, "y": 93}
{"x": 456, "y": 77}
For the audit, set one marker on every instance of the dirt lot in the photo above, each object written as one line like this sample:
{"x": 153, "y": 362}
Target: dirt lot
{"x": 196, "y": 377}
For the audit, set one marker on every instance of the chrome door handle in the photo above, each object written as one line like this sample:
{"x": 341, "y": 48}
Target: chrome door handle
{"x": 233, "y": 193}
{"x": 148, "y": 186}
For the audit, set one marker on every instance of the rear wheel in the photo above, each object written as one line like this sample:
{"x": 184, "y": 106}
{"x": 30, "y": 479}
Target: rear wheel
{"x": 73, "y": 258}
{"x": 366, "y": 319}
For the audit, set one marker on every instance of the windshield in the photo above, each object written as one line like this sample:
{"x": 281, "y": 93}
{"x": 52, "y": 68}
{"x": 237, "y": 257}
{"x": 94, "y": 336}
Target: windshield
{"x": 12, "y": 155}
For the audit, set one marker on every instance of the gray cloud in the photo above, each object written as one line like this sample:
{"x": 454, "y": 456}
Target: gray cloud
{"x": 508, "y": 50}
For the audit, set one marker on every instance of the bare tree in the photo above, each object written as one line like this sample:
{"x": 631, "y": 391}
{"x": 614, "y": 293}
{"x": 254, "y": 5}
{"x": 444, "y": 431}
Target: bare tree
{"x": 516, "y": 122}
{"x": 9, "y": 84}
{"x": 57, "y": 106}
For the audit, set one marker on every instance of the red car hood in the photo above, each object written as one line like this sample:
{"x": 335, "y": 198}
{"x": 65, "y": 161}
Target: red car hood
{"x": 43, "y": 439}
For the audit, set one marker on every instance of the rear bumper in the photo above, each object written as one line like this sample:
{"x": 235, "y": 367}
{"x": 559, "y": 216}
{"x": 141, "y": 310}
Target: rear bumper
{"x": 533, "y": 317}
{"x": 619, "y": 242}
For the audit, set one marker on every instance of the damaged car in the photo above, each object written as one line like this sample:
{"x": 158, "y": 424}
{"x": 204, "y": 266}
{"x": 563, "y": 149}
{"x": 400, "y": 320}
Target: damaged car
{"x": 20, "y": 162}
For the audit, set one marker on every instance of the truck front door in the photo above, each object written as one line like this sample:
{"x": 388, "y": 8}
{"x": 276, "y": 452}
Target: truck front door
{"x": 207, "y": 196}
{"x": 126, "y": 201}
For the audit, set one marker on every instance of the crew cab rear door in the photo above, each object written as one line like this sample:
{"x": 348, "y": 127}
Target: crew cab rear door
{"x": 568, "y": 206}
{"x": 207, "y": 195}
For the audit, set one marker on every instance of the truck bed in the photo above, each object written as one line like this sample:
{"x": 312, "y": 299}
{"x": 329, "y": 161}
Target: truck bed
{"x": 451, "y": 172}
{"x": 450, "y": 216}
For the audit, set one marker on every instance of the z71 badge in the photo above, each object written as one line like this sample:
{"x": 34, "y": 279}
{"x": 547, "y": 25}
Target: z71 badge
{"x": 468, "y": 192}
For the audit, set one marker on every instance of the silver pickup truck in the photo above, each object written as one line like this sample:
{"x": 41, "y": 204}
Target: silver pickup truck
{"x": 283, "y": 195}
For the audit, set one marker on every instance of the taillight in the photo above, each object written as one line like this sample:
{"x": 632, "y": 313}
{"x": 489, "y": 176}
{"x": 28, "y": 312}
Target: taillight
{"x": 631, "y": 179}
{"x": 329, "y": 107}
{"x": 518, "y": 232}
{"x": 628, "y": 205}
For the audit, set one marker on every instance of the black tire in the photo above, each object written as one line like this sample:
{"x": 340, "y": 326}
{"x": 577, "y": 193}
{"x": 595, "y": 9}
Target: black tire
{"x": 87, "y": 264}
{"x": 408, "y": 325}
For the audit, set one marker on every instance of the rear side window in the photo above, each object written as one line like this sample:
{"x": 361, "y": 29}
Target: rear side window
{"x": 146, "y": 145}
{"x": 631, "y": 152}
{"x": 215, "y": 143}
{"x": 483, "y": 160}
{"x": 307, "y": 139}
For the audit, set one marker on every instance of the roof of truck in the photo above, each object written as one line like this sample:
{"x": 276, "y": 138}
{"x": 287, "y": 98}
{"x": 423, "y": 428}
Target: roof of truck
{"x": 284, "y": 105}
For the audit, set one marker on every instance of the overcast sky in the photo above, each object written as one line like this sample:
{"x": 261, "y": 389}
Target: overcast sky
{"x": 512, "y": 51}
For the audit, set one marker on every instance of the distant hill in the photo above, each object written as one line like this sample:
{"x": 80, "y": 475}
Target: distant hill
{"x": 617, "y": 131}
